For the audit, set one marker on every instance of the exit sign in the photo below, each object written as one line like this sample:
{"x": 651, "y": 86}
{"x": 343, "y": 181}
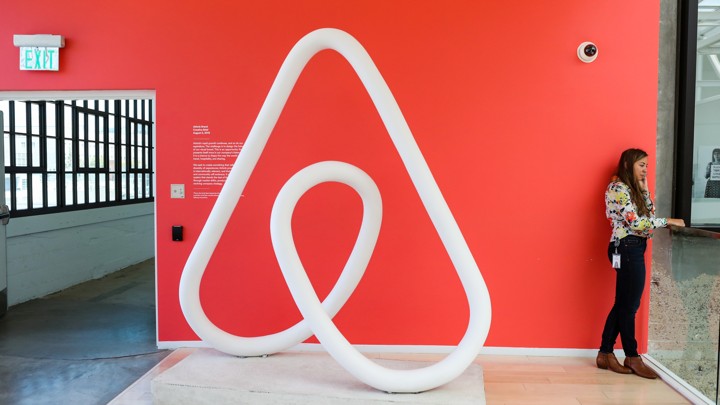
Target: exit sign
{"x": 39, "y": 58}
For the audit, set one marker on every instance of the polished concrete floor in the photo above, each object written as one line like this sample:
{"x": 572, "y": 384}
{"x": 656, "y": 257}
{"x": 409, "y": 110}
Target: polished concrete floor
{"x": 83, "y": 345}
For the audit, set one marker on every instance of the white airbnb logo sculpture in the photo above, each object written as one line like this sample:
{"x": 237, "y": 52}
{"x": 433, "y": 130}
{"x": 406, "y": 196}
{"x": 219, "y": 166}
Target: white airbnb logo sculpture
{"x": 318, "y": 316}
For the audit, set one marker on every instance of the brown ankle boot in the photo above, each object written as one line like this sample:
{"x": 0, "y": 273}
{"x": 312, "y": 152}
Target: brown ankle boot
{"x": 609, "y": 361}
{"x": 638, "y": 367}
{"x": 602, "y": 360}
{"x": 614, "y": 365}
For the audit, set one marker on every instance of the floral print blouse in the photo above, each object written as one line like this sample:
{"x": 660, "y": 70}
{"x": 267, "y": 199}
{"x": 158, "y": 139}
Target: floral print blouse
{"x": 623, "y": 215}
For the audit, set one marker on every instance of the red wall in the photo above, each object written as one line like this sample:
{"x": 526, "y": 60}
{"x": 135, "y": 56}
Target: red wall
{"x": 520, "y": 135}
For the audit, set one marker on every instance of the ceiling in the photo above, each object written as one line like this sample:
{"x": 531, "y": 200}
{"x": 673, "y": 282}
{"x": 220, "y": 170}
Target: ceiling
{"x": 709, "y": 27}
{"x": 708, "y": 51}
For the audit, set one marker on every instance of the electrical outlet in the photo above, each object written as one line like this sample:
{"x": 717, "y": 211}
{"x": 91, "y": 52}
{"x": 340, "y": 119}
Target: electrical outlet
{"x": 177, "y": 191}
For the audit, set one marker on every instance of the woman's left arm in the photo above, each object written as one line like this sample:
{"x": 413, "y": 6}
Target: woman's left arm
{"x": 635, "y": 222}
{"x": 657, "y": 222}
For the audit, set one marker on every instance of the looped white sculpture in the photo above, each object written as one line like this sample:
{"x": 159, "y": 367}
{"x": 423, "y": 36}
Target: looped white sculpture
{"x": 318, "y": 316}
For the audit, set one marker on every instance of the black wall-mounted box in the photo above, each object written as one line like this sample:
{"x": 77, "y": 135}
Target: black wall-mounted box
{"x": 177, "y": 232}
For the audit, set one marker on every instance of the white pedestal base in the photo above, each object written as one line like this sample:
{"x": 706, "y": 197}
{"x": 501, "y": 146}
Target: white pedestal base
{"x": 210, "y": 377}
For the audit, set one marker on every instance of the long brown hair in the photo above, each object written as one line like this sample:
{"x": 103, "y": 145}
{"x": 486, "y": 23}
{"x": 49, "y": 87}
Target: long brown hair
{"x": 625, "y": 172}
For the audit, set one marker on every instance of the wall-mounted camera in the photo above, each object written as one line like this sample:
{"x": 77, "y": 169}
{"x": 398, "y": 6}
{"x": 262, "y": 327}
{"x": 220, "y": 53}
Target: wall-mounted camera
{"x": 587, "y": 52}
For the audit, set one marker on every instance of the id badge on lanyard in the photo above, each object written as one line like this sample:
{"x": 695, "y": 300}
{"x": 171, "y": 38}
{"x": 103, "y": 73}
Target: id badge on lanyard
{"x": 616, "y": 256}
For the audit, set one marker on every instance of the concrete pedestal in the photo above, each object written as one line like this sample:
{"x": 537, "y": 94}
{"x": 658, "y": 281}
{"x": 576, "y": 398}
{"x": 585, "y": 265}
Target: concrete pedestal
{"x": 210, "y": 377}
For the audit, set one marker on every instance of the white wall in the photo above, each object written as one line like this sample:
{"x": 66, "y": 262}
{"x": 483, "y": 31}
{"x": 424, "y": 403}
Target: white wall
{"x": 47, "y": 253}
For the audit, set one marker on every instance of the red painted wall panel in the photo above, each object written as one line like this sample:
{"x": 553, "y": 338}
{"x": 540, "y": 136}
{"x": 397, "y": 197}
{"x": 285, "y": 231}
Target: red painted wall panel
{"x": 520, "y": 136}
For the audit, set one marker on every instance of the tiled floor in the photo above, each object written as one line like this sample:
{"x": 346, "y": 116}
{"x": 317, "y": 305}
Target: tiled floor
{"x": 95, "y": 343}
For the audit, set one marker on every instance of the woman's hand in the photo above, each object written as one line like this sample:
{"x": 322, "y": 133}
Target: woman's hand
{"x": 676, "y": 221}
{"x": 643, "y": 184}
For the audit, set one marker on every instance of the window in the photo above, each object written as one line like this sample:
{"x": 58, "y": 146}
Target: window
{"x": 65, "y": 155}
{"x": 697, "y": 198}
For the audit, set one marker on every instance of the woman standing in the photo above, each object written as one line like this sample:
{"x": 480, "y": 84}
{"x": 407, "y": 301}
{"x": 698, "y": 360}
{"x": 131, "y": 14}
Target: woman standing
{"x": 712, "y": 187}
{"x": 630, "y": 210}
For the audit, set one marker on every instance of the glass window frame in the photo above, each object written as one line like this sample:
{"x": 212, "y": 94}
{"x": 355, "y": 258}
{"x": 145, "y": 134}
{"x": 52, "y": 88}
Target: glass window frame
{"x": 685, "y": 113}
{"x": 96, "y": 176}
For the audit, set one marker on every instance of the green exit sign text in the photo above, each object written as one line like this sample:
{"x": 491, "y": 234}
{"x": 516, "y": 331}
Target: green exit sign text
{"x": 39, "y": 58}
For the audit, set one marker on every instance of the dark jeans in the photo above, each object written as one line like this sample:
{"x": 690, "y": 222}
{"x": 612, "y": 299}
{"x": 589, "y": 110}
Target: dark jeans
{"x": 629, "y": 284}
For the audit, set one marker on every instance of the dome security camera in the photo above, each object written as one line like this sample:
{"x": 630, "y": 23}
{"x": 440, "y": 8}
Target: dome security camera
{"x": 587, "y": 52}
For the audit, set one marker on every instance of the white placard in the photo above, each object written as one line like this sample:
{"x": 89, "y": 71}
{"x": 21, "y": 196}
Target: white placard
{"x": 715, "y": 172}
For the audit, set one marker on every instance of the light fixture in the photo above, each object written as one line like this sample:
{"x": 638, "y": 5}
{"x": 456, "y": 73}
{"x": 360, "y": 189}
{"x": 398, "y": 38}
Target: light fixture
{"x": 39, "y": 51}
{"x": 39, "y": 40}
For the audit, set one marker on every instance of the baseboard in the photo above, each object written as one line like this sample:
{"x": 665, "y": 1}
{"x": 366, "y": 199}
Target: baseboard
{"x": 419, "y": 349}
{"x": 182, "y": 343}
